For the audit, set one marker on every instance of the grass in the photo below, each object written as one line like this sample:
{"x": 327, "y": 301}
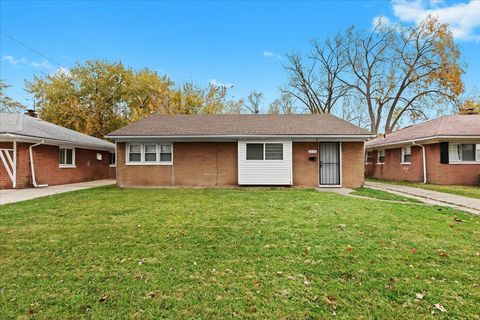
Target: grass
{"x": 466, "y": 191}
{"x": 249, "y": 253}
{"x": 382, "y": 195}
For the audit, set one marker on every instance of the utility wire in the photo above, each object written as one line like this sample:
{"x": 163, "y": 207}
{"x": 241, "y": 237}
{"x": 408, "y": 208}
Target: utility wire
{"x": 31, "y": 49}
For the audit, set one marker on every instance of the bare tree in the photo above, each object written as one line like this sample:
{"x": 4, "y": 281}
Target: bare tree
{"x": 254, "y": 99}
{"x": 7, "y": 104}
{"x": 282, "y": 105}
{"x": 398, "y": 71}
{"x": 315, "y": 82}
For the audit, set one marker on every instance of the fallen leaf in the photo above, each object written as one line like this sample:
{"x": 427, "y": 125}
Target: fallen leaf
{"x": 341, "y": 226}
{"x": 414, "y": 250}
{"x": 419, "y": 296}
{"x": 440, "y": 307}
{"x": 306, "y": 282}
{"x": 152, "y": 294}
{"x": 252, "y": 309}
{"x": 443, "y": 254}
{"x": 350, "y": 249}
{"x": 103, "y": 298}
{"x": 458, "y": 219}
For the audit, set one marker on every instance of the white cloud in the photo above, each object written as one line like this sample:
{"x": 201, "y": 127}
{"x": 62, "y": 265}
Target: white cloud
{"x": 216, "y": 83}
{"x": 44, "y": 64}
{"x": 384, "y": 20}
{"x": 463, "y": 18}
{"x": 61, "y": 71}
{"x": 269, "y": 54}
{"x": 14, "y": 62}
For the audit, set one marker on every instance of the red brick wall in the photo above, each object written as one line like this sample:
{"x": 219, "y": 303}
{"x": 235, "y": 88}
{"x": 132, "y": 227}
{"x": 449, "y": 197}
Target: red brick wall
{"x": 305, "y": 172}
{"x": 195, "y": 164}
{"x": 47, "y": 170}
{"x": 455, "y": 174}
{"x": 392, "y": 169}
{"x": 353, "y": 164}
{"x": 5, "y": 182}
{"x": 215, "y": 164}
{"x": 437, "y": 173}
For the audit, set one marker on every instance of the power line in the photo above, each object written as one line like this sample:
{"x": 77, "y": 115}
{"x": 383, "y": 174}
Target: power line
{"x": 31, "y": 49}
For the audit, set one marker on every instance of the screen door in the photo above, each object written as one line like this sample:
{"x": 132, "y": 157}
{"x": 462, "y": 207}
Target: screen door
{"x": 329, "y": 163}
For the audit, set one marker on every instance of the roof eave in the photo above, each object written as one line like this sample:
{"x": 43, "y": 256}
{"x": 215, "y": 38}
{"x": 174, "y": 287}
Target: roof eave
{"x": 25, "y": 138}
{"x": 424, "y": 140}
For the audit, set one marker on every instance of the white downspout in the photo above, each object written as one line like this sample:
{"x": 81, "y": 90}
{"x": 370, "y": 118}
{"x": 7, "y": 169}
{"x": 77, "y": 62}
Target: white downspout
{"x": 14, "y": 164}
{"x": 424, "y": 160}
{"x": 32, "y": 167}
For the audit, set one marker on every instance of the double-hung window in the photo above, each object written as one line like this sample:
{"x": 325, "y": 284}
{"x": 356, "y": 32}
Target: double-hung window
{"x": 381, "y": 156}
{"x": 406, "y": 154}
{"x": 463, "y": 152}
{"x": 264, "y": 151}
{"x": 112, "y": 160}
{"x": 66, "y": 157}
{"x": 369, "y": 157}
{"x": 149, "y": 153}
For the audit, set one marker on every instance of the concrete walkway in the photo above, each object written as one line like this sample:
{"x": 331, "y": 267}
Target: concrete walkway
{"x": 470, "y": 205}
{"x": 16, "y": 195}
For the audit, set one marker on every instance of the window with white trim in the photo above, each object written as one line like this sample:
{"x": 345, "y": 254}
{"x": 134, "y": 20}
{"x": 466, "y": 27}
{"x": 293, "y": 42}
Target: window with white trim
{"x": 458, "y": 152}
{"x": 134, "y": 153}
{"x": 369, "y": 157}
{"x": 149, "y": 153}
{"x": 264, "y": 151}
{"x": 66, "y": 157}
{"x": 165, "y": 152}
{"x": 406, "y": 154}
{"x": 112, "y": 160}
{"x": 381, "y": 156}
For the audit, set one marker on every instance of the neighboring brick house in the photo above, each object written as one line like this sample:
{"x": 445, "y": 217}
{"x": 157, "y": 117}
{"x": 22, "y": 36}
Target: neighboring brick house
{"x": 230, "y": 150}
{"x": 37, "y": 153}
{"x": 446, "y": 148}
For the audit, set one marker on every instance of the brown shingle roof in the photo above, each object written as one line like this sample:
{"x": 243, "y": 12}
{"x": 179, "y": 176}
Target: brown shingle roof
{"x": 458, "y": 125}
{"x": 239, "y": 125}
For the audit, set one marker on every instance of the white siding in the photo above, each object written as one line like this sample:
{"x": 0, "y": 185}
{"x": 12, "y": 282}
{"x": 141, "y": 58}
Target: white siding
{"x": 265, "y": 172}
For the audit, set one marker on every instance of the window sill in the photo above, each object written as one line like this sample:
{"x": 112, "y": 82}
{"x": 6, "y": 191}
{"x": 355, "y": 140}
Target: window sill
{"x": 149, "y": 163}
{"x": 465, "y": 162}
{"x": 113, "y": 166}
{"x": 67, "y": 166}
{"x": 406, "y": 163}
{"x": 380, "y": 163}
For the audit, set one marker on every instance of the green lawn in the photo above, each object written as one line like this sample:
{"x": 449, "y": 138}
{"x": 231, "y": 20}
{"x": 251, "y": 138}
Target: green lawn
{"x": 382, "y": 195}
{"x": 239, "y": 253}
{"x": 466, "y": 191}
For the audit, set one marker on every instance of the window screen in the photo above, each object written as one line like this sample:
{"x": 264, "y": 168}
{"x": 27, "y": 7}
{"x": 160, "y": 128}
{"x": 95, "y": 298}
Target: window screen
{"x": 66, "y": 156}
{"x": 273, "y": 151}
{"x": 150, "y": 152}
{"x": 254, "y": 151}
{"x": 134, "y": 154}
{"x": 407, "y": 154}
{"x": 381, "y": 156}
{"x": 166, "y": 152}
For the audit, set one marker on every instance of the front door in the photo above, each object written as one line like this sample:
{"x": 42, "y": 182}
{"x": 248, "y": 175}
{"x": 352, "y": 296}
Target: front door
{"x": 329, "y": 163}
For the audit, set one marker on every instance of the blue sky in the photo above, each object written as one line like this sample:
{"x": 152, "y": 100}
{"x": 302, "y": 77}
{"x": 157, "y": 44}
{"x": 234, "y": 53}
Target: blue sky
{"x": 239, "y": 43}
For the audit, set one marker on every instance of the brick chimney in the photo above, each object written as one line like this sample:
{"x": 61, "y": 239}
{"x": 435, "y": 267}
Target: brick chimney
{"x": 32, "y": 113}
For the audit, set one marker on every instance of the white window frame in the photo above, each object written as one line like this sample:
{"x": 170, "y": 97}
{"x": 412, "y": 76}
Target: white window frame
{"x": 142, "y": 161}
{"x": 112, "y": 165}
{"x": 477, "y": 154}
{"x": 264, "y": 151}
{"x": 66, "y": 166}
{"x": 366, "y": 157}
{"x": 403, "y": 155}
{"x": 144, "y": 152}
{"x": 378, "y": 156}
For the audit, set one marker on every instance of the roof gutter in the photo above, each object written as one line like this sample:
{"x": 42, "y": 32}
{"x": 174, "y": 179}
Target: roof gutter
{"x": 431, "y": 139}
{"x": 55, "y": 142}
{"x": 259, "y": 136}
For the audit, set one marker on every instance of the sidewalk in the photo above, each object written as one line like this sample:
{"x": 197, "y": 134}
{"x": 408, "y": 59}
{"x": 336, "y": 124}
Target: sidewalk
{"x": 470, "y": 205}
{"x": 16, "y": 195}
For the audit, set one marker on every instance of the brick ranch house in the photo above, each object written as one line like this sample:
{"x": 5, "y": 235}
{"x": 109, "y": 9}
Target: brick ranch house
{"x": 445, "y": 150}
{"x": 37, "y": 153}
{"x": 231, "y": 150}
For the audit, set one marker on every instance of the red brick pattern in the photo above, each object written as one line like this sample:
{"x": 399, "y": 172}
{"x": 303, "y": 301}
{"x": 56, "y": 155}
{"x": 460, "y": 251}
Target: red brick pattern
{"x": 210, "y": 164}
{"x": 437, "y": 173}
{"x": 47, "y": 171}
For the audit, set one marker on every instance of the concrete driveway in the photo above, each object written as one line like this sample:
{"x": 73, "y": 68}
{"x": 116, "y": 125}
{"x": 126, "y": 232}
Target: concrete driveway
{"x": 16, "y": 195}
{"x": 470, "y": 205}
